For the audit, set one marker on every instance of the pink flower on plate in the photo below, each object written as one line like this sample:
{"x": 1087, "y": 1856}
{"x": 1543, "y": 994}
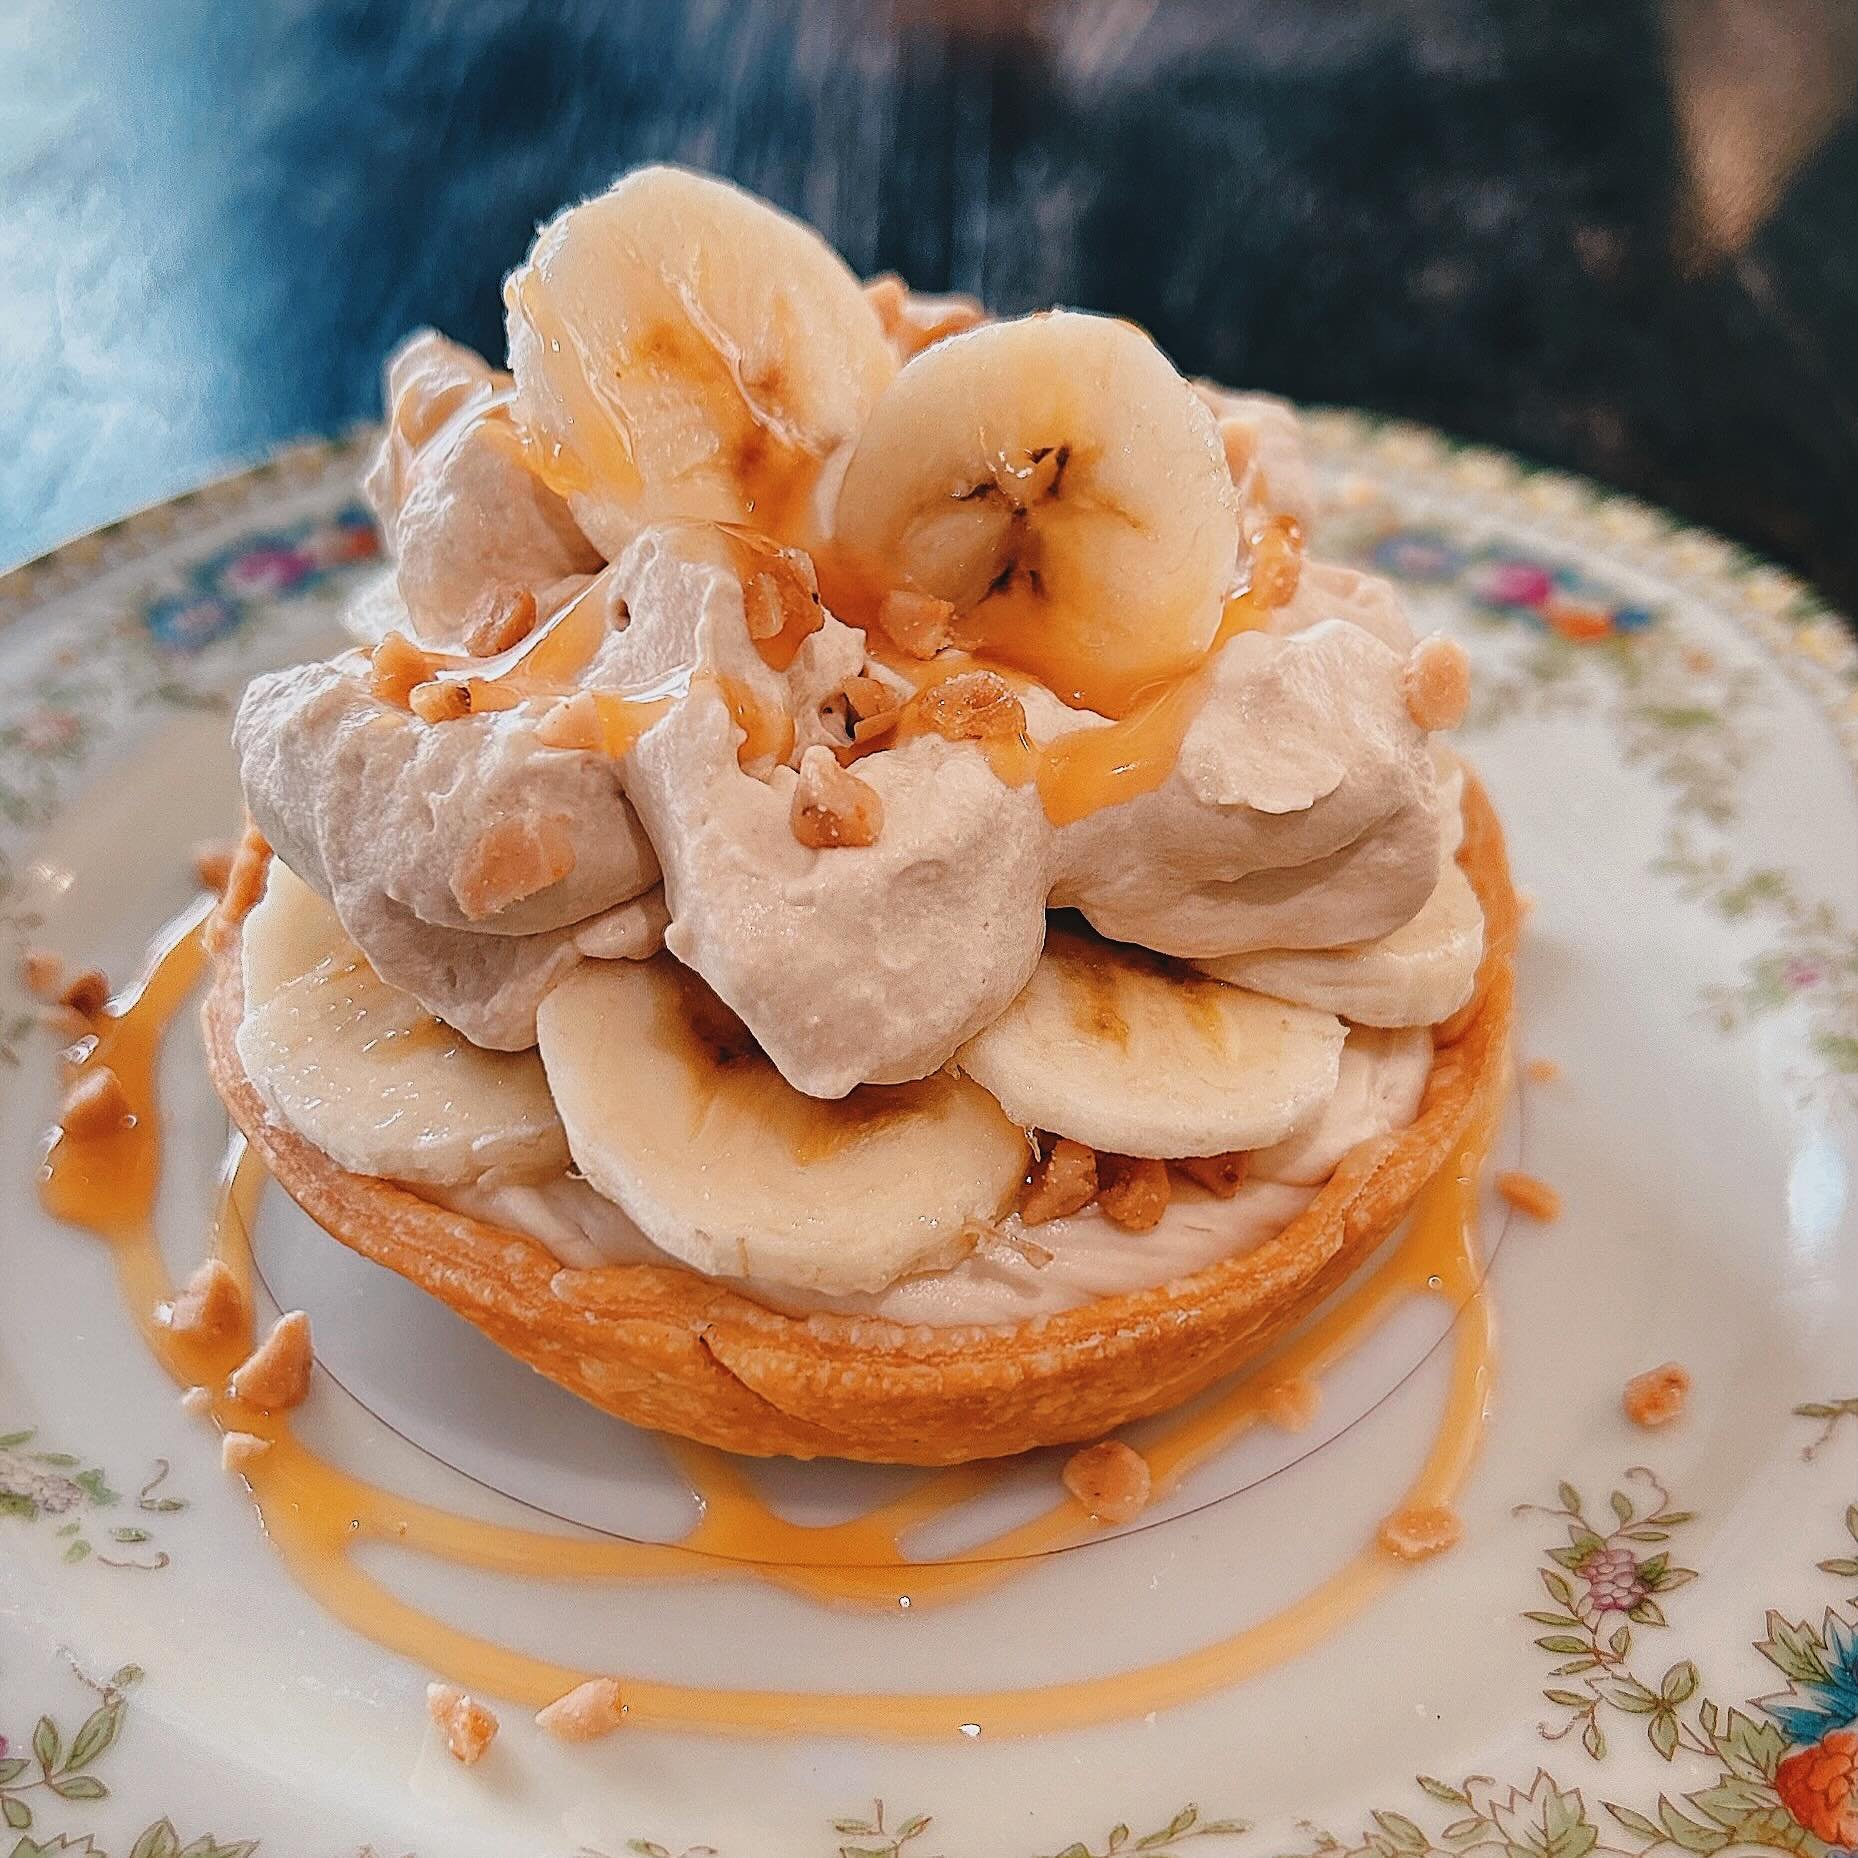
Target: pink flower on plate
{"x": 1801, "y": 974}
{"x": 266, "y": 571}
{"x": 45, "y": 730}
{"x": 1515, "y": 583}
{"x": 338, "y": 542}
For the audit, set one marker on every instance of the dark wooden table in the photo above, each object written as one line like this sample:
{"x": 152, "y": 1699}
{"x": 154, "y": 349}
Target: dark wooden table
{"x": 1614, "y": 234}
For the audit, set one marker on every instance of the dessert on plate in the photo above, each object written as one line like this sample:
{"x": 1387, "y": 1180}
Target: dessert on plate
{"x": 857, "y": 891}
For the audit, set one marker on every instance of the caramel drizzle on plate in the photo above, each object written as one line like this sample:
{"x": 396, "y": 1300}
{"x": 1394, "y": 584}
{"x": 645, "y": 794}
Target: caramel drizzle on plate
{"x": 317, "y": 1513}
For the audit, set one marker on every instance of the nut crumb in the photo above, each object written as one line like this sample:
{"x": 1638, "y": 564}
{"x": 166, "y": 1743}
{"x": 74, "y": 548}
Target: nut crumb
{"x": 440, "y": 700}
{"x": 42, "y": 974}
{"x": 1529, "y": 1195}
{"x": 1132, "y": 1190}
{"x": 87, "y": 992}
{"x": 210, "y": 1307}
{"x": 831, "y": 805}
{"x": 919, "y": 624}
{"x": 781, "y": 603}
{"x": 469, "y": 1728}
{"x": 1062, "y": 1180}
{"x": 238, "y": 1450}
{"x": 1223, "y": 1175}
{"x": 245, "y": 882}
{"x": 871, "y": 708}
{"x": 1420, "y": 1533}
{"x": 1292, "y": 1403}
{"x": 213, "y": 862}
{"x": 1110, "y": 1480}
{"x": 1657, "y": 1396}
{"x": 1437, "y": 683}
{"x": 504, "y": 616}
{"x": 96, "y": 1103}
{"x": 976, "y": 706}
{"x": 1541, "y": 1070}
{"x": 510, "y": 861}
{"x": 587, "y": 1712}
{"x": 276, "y": 1374}
{"x": 396, "y": 666}
{"x": 196, "y": 1402}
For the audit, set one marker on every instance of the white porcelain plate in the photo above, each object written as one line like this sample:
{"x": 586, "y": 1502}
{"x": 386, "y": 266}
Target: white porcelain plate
{"x": 1645, "y": 1641}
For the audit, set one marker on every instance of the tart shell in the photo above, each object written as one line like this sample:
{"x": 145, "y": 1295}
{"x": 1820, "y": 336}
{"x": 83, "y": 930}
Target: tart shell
{"x": 666, "y": 1348}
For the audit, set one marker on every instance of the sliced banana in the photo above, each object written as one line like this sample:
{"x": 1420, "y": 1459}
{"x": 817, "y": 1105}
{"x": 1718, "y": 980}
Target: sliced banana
{"x": 1113, "y": 1047}
{"x": 365, "y": 1073}
{"x": 1059, "y": 483}
{"x": 1416, "y": 975}
{"x": 683, "y": 350}
{"x": 673, "y": 1113}
{"x": 1378, "y": 1090}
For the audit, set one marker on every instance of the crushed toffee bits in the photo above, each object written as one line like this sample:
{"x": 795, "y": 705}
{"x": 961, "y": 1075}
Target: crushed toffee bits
{"x": 504, "y": 617}
{"x": 276, "y": 1374}
{"x": 1419, "y": 1533}
{"x": 1223, "y": 1175}
{"x": 196, "y": 1402}
{"x": 586, "y": 1713}
{"x": 240, "y": 1450}
{"x": 396, "y": 666}
{"x": 211, "y": 1306}
{"x": 86, "y": 992}
{"x": 1291, "y": 1404}
{"x": 96, "y": 1103}
{"x": 1541, "y": 1070}
{"x": 509, "y": 861}
{"x": 468, "y": 1727}
{"x": 1132, "y": 1190}
{"x": 919, "y": 624}
{"x": 832, "y": 806}
{"x": 872, "y": 708}
{"x": 1437, "y": 683}
{"x": 976, "y": 706}
{"x": 440, "y": 700}
{"x": 1657, "y": 1396}
{"x": 213, "y": 862}
{"x": 1110, "y": 1480}
{"x": 1529, "y": 1195}
{"x": 1063, "y": 1181}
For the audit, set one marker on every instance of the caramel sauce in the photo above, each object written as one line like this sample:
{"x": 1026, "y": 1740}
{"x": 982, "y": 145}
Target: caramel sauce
{"x": 767, "y": 733}
{"x": 318, "y": 1514}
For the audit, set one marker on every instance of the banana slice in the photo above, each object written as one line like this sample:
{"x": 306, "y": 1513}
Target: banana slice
{"x": 364, "y": 1072}
{"x": 683, "y": 350}
{"x": 1059, "y": 483}
{"x": 1378, "y": 1090}
{"x": 1415, "y": 975}
{"x": 674, "y": 1114}
{"x": 1116, "y": 1048}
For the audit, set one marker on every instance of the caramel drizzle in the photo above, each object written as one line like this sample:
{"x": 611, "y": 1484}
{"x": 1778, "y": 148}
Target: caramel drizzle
{"x": 316, "y": 1513}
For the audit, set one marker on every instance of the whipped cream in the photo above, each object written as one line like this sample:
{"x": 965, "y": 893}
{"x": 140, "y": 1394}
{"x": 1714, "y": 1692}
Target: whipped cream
{"x": 1302, "y": 811}
{"x": 546, "y": 753}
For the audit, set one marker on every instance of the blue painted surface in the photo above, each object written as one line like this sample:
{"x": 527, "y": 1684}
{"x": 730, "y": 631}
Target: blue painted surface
{"x": 215, "y": 215}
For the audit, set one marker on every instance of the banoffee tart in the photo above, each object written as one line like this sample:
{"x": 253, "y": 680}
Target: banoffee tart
{"x": 858, "y": 891}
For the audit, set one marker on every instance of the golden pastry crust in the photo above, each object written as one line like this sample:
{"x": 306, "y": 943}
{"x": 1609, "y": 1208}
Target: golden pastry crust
{"x": 666, "y": 1348}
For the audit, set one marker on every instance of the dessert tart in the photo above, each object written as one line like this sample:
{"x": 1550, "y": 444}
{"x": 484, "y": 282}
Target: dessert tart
{"x": 858, "y": 892}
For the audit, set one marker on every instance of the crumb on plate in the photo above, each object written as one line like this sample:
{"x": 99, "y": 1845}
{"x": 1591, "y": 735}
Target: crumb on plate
{"x": 1657, "y": 1396}
{"x": 469, "y": 1728}
{"x": 1110, "y": 1480}
{"x": 276, "y": 1374}
{"x": 1529, "y": 1195}
{"x": 587, "y": 1712}
{"x": 1419, "y": 1533}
